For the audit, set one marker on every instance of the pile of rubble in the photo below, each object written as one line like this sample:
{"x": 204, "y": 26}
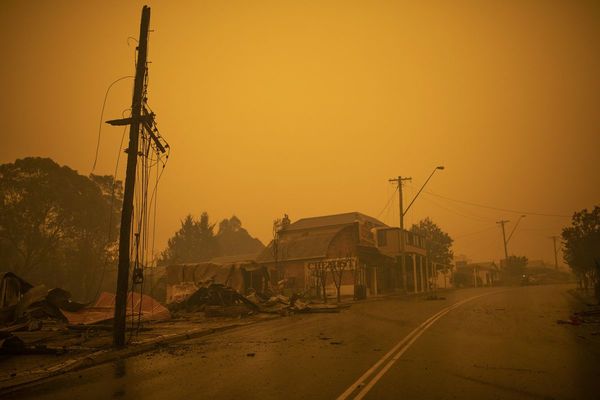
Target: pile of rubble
{"x": 31, "y": 315}
{"x": 294, "y": 304}
{"x": 22, "y": 303}
{"x": 218, "y": 300}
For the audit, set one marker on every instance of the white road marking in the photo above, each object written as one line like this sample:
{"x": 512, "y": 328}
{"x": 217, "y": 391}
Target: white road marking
{"x": 397, "y": 351}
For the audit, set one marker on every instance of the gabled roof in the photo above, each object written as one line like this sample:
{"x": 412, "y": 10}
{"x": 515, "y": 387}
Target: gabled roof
{"x": 486, "y": 265}
{"x": 313, "y": 244}
{"x": 333, "y": 220}
{"x": 238, "y": 258}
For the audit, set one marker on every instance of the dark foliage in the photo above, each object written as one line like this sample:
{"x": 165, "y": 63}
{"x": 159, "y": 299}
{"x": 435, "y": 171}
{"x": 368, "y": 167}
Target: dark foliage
{"x": 581, "y": 243}
{"x": 55, "y": 223}
{"x": 438, "y": 242}
{"x": 235, "y": 240}
{"x": 195, "y": 241}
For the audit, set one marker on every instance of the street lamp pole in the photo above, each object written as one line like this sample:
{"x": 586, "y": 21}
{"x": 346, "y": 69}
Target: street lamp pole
{"x": 440, "y": 167}
{"x": 504, "y": 239}
{"x": 502, "y": 222}
{"x": 515, "y": 228}
{"x": 403, "y": 212}
{"x": 399, "y": 181}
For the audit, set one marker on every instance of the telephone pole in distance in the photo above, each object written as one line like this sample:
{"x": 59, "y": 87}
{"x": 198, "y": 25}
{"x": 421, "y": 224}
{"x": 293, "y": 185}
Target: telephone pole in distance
{"x": 502, "y": 222}
{"x": 555, "y": 251}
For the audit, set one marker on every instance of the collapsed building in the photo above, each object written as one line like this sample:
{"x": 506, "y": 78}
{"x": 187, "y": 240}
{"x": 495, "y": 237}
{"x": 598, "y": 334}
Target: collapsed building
{"x": 23, "y": 305}
{"x": 241, "y": 273}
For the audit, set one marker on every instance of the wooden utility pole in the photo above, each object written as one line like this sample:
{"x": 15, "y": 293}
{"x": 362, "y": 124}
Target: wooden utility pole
{"x": 398, "y": 181}
{"x": 555, "y": 252}
{"x": 502, "y": 222}
{"x": 127, "y": 212}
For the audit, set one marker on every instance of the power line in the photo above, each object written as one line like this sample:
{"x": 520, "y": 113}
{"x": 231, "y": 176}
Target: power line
{"x": 110, "y": 217}
{"x": 102, "y": 117}
{"x": 467, "y": 213}
{"x": 497, "y": 208}
{"x": 554, "y": 237}
{"x": 387, "y": 204}
{"x": 462, "y": 214}
{"x": 474, "y": 233}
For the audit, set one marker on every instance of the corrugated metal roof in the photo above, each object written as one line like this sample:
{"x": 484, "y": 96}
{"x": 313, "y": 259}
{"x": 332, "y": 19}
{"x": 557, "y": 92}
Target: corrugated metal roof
{"x": 104, "y": 309}
{"x": 239, "y": 258}
{"x": 313, "y": 244}
{"x": 333, "y": 220}
{"x": 485, "y": 265}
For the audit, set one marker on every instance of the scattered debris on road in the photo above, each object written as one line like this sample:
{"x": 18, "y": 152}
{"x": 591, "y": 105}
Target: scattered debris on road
{"x": 582, "y": 317}
{"x": 13, "y": 345}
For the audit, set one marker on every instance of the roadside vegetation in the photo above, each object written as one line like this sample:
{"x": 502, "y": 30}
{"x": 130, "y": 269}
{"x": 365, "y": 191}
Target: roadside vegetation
{"x": 581, "y": 244}
{"x": 438, "y": 243}
{"x": 57, "y": 226}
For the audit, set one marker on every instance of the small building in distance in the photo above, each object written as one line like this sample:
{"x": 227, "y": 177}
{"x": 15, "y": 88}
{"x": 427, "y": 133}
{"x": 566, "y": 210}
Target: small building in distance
{"x": 476, "y": 274}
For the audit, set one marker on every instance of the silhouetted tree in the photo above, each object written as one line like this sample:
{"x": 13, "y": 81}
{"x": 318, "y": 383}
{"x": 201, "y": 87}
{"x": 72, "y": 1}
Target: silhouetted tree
{"x": 337, "y": 269}
{"x": 581, "y": 243}
{"x": 437, "y": 242}
{"x": 55, "y": 223}
{"x": 319, "y": 271}
{"x": 195, "y": 241}
{"x": 234, "y": 240}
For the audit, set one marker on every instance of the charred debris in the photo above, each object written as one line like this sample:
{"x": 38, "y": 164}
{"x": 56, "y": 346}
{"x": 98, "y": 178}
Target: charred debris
{"x": 38, "y": 320}
{"x": 33, "y": 316}
{"x": 219, "y": 300}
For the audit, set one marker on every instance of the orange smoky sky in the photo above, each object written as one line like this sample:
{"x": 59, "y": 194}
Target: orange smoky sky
{"x": 308, "y": 108}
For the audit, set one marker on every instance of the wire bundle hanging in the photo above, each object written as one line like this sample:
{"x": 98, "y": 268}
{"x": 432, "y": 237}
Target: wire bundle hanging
{"x": 153, "y": 154}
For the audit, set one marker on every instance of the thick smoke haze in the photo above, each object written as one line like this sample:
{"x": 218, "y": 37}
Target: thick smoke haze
{"x": 308, "y": 108}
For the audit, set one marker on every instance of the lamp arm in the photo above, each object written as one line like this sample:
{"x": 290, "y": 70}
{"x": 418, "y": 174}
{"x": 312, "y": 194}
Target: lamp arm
{"x": 419, "y": 192}
{"x": 514, "y": 229}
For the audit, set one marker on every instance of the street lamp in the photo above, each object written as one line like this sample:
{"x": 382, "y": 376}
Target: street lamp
{"x": 515, "y": 228}
{"x": 440, "y": 167}
{"x": 403, "y": 212}
{"x": 504, "y": 239}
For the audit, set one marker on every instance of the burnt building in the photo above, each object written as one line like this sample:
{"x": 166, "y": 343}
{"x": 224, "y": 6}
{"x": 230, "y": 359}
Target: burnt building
{"x": 342, "y": 243}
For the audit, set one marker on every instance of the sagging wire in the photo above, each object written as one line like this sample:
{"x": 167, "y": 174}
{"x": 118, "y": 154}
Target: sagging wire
{"x": 112, "y": 205}
{"x": 469, "y": 203}
{"x": 391, "y": 198}
{"x": 153, "y": 152}
{"x": 102, "y": 117}
{"x": 455, "y": 209}
{"x": 110, "y": 215}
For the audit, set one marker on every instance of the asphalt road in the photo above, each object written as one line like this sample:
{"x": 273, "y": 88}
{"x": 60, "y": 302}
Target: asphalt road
{"x": 475, "y": 344}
